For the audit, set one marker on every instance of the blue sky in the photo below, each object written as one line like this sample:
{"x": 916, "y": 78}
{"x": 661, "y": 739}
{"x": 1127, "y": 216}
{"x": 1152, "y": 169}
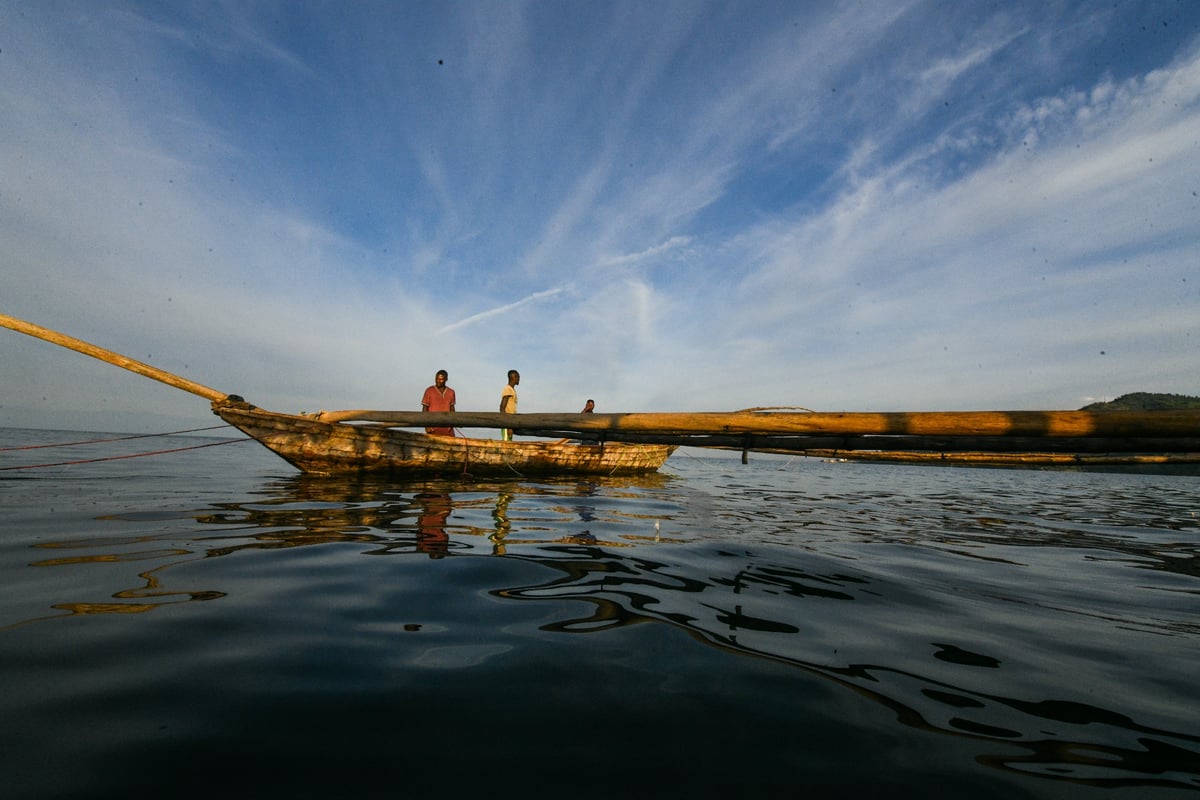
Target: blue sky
{"x": 663, "y": 206}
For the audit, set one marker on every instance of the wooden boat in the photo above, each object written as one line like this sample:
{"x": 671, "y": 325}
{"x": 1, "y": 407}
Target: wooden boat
{"x": 334, "y": 445}
{"x": 325, "y": 448}
{"x": 371, "y": 441}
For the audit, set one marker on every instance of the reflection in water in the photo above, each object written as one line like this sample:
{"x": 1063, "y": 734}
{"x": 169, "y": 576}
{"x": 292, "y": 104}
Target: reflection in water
{"x": 1055, "y": 739}
{"x": 503, "y": 526}
{"x": 431, "y": 527}
{"x": 150, "y": 595}
{"x": 598, "y": 541}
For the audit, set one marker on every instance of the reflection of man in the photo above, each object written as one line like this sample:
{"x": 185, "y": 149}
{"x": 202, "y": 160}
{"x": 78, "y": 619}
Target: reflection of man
{"x": 500, "y": 516}
{"x": 431, "y": 531}
{"x": 439, "y": 397}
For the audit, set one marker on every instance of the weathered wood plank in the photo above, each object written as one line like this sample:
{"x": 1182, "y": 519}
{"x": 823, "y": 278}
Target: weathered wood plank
{"x": 936, "y": 444}
{"x": 1012, "y": 459}
{"x": 908, "y": 423}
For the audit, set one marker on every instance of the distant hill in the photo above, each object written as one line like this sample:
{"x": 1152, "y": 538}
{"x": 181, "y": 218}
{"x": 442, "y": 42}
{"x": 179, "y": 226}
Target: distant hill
{"x": 1146, "y": 401}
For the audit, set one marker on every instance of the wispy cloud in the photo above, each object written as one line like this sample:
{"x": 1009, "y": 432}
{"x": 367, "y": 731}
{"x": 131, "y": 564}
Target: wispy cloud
{"x": 495, "y": 312}
{"x": 847, "y": 207}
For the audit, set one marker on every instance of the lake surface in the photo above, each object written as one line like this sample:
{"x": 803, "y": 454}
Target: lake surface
{"x": 209, "y": 623}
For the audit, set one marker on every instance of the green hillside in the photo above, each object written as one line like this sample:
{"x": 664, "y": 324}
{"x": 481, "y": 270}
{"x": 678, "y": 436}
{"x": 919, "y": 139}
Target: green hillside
{"x": 1146, "y": 401}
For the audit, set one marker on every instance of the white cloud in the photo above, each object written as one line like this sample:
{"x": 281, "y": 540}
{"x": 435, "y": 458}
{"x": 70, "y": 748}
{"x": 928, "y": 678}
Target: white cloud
{"x": 717, "y": 226}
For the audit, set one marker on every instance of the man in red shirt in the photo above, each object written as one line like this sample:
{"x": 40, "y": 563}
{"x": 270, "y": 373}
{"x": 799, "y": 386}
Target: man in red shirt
{"x": 439, "y": 397}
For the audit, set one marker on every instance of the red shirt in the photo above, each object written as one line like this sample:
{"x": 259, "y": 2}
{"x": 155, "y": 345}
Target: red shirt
{"x": 438, "y": 401}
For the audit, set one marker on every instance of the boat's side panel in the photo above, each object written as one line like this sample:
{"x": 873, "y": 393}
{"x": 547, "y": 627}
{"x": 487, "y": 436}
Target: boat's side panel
{"x": 320, "y": 447}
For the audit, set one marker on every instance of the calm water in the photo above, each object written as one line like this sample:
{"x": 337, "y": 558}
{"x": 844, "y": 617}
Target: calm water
{"x": 210, "y": 623}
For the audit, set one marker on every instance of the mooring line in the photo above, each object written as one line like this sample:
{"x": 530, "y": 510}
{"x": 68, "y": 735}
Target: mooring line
{"x": 116, "y": 439}
{"x": 130, "y": 455}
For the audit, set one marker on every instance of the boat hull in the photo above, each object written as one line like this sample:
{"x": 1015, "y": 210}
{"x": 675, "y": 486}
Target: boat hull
{"x": 336, "y": 448}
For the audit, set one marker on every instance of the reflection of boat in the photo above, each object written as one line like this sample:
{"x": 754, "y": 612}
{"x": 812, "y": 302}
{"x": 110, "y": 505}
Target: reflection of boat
{"x": 819, "y": 615}
{"x": 320, "y": 447}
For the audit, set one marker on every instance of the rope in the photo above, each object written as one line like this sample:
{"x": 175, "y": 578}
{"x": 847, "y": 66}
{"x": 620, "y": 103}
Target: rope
{"x": 131, "y": 455}
{"x": 467, "y": 457}
{"x": 466, "y": 453}
{"x": 117, "y": 439}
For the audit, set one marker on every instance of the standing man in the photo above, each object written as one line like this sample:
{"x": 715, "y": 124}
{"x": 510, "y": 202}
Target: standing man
{"x": 589, "y": 408}
{"x": 508, "y": 401}
{"x": 439, "y": 397}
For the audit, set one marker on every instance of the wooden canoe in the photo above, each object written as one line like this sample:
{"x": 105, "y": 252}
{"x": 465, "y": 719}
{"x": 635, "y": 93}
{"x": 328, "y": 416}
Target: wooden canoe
{"x": 367, "y": 440}
{"x": 319, "y": 447}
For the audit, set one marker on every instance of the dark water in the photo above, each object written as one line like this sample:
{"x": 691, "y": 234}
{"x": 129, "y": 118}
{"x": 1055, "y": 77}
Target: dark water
{"x": 208, "y": 623}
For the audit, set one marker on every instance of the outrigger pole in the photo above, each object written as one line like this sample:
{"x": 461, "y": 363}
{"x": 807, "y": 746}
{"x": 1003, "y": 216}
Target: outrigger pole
{"x": 116, "y": 359}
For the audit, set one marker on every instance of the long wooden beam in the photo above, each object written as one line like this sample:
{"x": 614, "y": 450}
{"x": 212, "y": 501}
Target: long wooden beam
{"x": 116, "y": 359}
{"x": 969, "y": 458}
{"x": 775, "y": 443}
{"x": 847, "y": 423}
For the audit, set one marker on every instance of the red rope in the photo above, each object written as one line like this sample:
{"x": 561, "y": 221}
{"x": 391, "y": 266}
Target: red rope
{"x": 117, "y": 439}
{"x": 131, "y": 455}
